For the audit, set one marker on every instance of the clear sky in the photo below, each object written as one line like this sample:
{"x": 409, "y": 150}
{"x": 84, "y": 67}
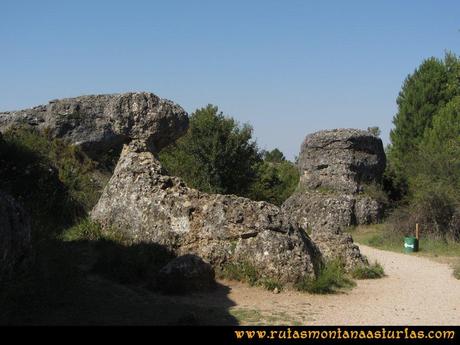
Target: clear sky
{"x": 287, "y": 67}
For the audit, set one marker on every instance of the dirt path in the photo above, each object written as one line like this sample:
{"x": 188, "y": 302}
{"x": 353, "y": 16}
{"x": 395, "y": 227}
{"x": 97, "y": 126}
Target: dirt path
{"x": 416, "y": 291}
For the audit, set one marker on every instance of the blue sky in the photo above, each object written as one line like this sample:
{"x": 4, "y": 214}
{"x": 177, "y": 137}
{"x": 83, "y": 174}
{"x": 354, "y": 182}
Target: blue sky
{"x": 288, "y": 67}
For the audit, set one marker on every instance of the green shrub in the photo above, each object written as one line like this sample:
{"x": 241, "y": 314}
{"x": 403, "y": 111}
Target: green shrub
{"x": 376, "y": 192}
{"x": 130, "y": 264}
{"x": 243, "y": 272}
{"x": 373, "y": 271}
{"x": 88, "y": 230}
{"x": 116, "y": 257}
{"x": 435, "y": 211}
{"x": 270, "y": 284}
{"x": 85, "y": 230}
{"x": 56, "y": 182}
{"x": 331, "y": 277}
{"x": 457, "y": 271}
{"x": 216, "y": 155}
{"x": 246, "y": 272}
{"x": 275, "y": 180}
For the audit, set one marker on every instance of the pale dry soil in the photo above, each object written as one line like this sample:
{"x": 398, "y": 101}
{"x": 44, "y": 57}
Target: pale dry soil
{"x": 415, "y": 291}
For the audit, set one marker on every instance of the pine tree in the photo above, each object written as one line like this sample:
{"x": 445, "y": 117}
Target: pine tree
{"x": 432, "y": 85}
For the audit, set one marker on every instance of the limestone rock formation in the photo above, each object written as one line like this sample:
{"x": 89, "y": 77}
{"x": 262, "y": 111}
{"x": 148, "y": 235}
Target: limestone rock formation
{"x": 341, "y": 160}
{"x": 15, "y": 236}
{"x": 186, "y": 273}
{"x": 146, "y": 205}
{"x": 339, "y": 246}
{"x": 331, "y": 211}
{"x": 337, "y": 169}
{"x": 101, "y": 122}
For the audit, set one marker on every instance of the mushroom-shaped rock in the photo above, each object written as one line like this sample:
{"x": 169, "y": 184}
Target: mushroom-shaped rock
{"x": 148, "y": 206}
{"x": 98, "y": 123}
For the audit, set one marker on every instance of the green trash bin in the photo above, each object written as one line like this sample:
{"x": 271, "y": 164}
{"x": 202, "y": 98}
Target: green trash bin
{"x": 410, "y": 244}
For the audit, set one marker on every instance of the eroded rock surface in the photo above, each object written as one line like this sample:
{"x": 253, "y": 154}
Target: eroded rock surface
{"x": 101, "y": 122}
{"x": 148, "y": 206}
{"x": 341, "y": 160}
{"x": 333, "y": 212}
{"x": 337, "y": 168}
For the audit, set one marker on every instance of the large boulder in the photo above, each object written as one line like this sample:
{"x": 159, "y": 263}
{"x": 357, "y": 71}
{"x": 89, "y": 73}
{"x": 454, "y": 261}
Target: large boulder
{"x": 319, "y": 211}
{"x": 186, "y": 273}
{"x": 332, "y": 211}
{"x": 15, "y": 237}
{"x": 147, "y": 205}
{"x": 102, "y": 122}
{"x": 325, "y": 216}
{"x": 341, "y": 160}
{"x": 339, "y": 246}
{"x": 338, "y": 169}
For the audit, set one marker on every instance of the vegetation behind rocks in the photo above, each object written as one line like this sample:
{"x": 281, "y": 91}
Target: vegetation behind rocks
{"x": 423, "y": 174}
{"x": 217, "y": 155}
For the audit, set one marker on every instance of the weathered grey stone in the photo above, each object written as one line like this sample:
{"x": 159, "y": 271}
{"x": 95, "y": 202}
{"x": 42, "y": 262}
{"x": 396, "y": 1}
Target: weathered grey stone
{"x": 326, "y": 216}
{"x": 336, "y": 167}
{"x": 333, "y": 212}
{"x": 367, "y": 210}
{"x": 339, "y": 246}
{"x": 341, "y": 160}
{"x": 15, "y": 237}
{"x": 149, "y": 206}
{"x": 319, "y": 211}
{"x": 101, "y": 122}
{"x": 186, "y": 273}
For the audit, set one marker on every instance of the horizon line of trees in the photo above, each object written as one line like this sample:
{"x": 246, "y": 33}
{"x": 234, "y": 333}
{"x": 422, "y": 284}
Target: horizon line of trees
{"x": 422, "y": 177}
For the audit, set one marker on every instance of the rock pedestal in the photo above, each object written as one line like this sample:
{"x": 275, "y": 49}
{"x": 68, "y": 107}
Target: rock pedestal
{"x": 148, "y": 206}
{"x": 99, "y": 123}
{"x": 337, "y": 169}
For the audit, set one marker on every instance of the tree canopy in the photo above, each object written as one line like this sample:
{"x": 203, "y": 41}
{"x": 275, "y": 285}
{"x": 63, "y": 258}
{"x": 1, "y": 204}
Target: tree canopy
{"x": 276, "y": 179}
{"x": 424, "y": 156}
{"x": 432, "y": 85}
{"x": 217, "y": 155}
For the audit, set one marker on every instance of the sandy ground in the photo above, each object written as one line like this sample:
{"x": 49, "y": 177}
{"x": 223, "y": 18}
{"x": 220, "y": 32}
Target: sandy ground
{"x": 416, "y": 291}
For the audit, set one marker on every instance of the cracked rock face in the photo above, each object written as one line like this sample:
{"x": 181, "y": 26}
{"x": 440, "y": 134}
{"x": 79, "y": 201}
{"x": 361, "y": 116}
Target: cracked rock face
{"x": 101, "y": 122}
{"x": 15, "y": 236}
{"x": 148, "y": 206}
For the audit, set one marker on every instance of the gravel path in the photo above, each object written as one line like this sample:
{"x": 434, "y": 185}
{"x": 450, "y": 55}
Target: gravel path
{"x": 416, "y": 291}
